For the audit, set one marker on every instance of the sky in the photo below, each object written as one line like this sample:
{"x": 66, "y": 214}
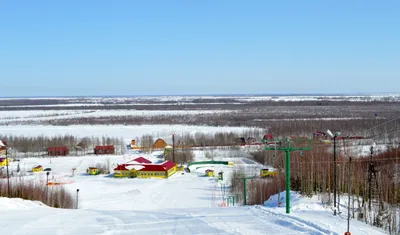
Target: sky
{"x": 133, "y": 47}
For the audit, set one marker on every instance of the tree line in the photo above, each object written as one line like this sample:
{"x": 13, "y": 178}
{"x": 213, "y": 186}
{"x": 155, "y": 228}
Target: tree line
{"x": 374, "y": 181}
{"x": 36, "y": 146}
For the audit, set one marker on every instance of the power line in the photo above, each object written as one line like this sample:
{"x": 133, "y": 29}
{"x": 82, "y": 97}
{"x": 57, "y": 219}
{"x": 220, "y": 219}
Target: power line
{"x": 356, "y": 161}
{"x": 386, "y": 133}
{"x": 380, "y": 125}
{"x": 394, "y": 119}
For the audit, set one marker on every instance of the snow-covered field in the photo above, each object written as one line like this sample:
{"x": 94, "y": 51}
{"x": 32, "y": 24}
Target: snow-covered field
{"x": 179, "y": 100}
{"x": 186, "y": 203}
{"x": 7, "y": 117}
{"x": 50, "y": 114}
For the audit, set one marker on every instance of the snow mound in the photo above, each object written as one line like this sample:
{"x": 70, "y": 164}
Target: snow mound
{"x": 297, "y": 202}
{"x": 18, "y": 204}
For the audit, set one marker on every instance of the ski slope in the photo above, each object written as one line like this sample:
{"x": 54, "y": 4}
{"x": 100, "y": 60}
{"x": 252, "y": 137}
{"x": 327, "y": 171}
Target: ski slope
{"x": 186, "y": 203}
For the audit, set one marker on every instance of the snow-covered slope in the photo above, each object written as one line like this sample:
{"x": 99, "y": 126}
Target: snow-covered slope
{"x": 186, "y": 203}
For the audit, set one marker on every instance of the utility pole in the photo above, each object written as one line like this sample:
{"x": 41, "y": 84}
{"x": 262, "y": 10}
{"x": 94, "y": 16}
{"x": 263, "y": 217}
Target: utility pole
{"x": 348, "y": 207}
{"x": 244, "y": 187}
{"x": 279, "y": 177}
{"x": 339, "y": 191}
{"x": 288, "y": 150}
{"x": 8, "y": 175}
{"x": 334, "y": 174}
{"x": 173, "y": 148}
{"x": 370, "y": 170}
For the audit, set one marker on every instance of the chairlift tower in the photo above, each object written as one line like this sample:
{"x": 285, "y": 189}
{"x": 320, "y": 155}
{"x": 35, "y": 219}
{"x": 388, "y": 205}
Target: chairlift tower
{"x": 288, "y": 149}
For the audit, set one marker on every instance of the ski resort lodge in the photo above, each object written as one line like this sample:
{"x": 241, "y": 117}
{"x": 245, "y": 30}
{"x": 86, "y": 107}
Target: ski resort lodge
{"x": 143, "y": 168}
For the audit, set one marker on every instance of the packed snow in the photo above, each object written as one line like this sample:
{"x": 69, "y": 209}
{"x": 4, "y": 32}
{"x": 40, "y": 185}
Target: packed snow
{"x": 186, "y": 203}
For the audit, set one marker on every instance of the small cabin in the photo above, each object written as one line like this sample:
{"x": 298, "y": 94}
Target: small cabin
{"x": 93, "y": 171}
{"x": 38, "y": 168}
{"x": 58, "y": 151}
{"x": 210, "y": 173}
{"x": 267, "y": 173}
{"x": 4, "y": 161}
{"x": 241, "y": 141}
{"x": 106, "y": 149}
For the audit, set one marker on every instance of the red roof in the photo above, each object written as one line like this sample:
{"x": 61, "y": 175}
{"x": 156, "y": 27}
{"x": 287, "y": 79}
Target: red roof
{"x": 141, "y": 160}
{"x": 121, "y": 168}
{"x": 38, "y": 166}
{"x": 2, "y": 159}
{"x": 168, "y": 165}
{"x": 156, "y": 167}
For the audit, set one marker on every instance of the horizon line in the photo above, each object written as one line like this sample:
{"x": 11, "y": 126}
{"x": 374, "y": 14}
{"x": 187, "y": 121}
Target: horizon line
{"x": 210, "y": 95}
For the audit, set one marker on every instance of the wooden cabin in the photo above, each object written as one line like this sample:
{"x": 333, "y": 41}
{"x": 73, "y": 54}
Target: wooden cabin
{"x": 58, "y": 151}
{"x": 106, "y": 149}
{"x": 210, "y": 173}
{"x": 38, "y": 168}
{"x": 93, "y": 171}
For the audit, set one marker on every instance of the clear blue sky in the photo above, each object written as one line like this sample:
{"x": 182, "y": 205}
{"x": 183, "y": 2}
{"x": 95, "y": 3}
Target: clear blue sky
{"x": 132, "y": 47}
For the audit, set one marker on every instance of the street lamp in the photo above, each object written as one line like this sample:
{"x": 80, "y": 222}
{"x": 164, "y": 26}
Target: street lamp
{"x": 334, "y": 136}
{"x": 47, "y": 185}
{"x": 77, "y": 191}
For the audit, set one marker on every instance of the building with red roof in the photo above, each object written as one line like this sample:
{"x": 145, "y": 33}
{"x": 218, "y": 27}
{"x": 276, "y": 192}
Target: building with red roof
{"x": 141, "y": 160}
{"x": 121, "y": 171}
{"x": 146, "y": 170}
{"x": 107, "y": 149}
{"x": 4, "y": 161}
{"x": 58, "y": 151}
{"x": 37, "y": 168}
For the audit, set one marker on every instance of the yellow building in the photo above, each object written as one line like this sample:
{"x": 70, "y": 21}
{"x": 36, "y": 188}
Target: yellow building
{"x": 159, "y": 144}
{"x": 4, "y": 161}
{"x": 121, "y": 171}
{"x": 210, "y": 173}
{"x": 267, "y": 173}
{"x": 180, "y": 168}
{"x": 93, "y": 171}
{"x": 37, "y": 168}
{"x": 146, "y": 170}
{"x": 163, "y": 170}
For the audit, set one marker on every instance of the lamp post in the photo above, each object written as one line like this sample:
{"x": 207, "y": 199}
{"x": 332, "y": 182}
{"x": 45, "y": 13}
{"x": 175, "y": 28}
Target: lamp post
{"x": 173, "y": 148}
{"x": 77, "y": 191}
{"x": 348, "y": 209}
{"x": 334, "y": 136}
{"x": 47, "y": 186}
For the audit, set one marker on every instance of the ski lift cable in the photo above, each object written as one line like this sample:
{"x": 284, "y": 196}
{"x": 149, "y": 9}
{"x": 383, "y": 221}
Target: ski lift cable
{"x": 386, "y": 133}
{"x": 379, "y": 125}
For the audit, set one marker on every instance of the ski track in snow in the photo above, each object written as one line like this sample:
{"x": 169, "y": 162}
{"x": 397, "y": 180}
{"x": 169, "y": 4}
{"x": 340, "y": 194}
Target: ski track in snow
{"x": 296, "y": 222}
